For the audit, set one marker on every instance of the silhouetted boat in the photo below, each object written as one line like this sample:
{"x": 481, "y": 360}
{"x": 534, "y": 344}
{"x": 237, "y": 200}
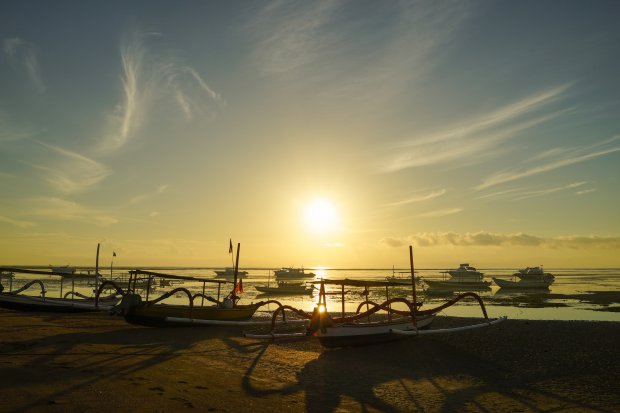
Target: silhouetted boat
{"x": 230, "y": 273}
{"x": 465, "y": 271}
{"x": 285, "y": 288}
{"x": 524, "y": 283}
{"x": 293, "y": 273}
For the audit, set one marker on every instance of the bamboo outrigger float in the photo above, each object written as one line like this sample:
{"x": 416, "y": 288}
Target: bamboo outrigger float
{"x": 357, "y": 329}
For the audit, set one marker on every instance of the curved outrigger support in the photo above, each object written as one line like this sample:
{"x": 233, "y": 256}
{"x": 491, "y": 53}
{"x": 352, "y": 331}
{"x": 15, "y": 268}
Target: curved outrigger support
{"x": 345, "y": 330}
{"x": 28, "y": 285}
{"x": 118, "y": 291}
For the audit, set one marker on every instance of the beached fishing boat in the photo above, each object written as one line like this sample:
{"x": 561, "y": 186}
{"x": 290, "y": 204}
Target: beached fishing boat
{"x": 285, "y": 288}
{"x": 69, "y": 300}
{"x": 200, "y": 309}
{"x": 292, "y": 273}
{"x": 359, "y": 328}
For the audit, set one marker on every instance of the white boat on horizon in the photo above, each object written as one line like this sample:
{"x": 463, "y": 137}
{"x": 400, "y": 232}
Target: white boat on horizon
{"x": 286, "y": 288}
{"x": 292, "y": 272}
{"x": 534, "y": 273}
{"x": 540, "y": 283}
{"x": 230, "y": 273}
{"x": 465, "y": 271}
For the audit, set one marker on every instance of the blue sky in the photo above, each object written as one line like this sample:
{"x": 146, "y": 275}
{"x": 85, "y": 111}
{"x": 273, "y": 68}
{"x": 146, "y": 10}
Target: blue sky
{"x": 476, "y": 131}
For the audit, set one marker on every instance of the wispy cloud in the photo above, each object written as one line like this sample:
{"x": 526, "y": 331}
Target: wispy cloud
{"x": 576, "y": 156}
{"x": 418, "y": 198}
{"x": 64, "y": 210}
{"x": 585, "y": 191}
{"x": 12, "y": 131}
{"x": 150, "y": 78}
{"x": 143, "y": 197}
{"x": 16, "y": 222}
{"x": 440, "y": 213}
{"x": 482, "y": 238}
{"x": 525, "y": 193}
{"x": 326, "y": 50}
{"x": 475, "y": 137}
{"x": 22, "y": 53}
{"x": 70, "y": 172}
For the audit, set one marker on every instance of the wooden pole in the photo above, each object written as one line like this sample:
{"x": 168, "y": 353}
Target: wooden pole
{"x": 415, "y": 301}
{"x": 342, "y": 292}
{"x": 97, "y": 269}
{"x": 236, "y": 271}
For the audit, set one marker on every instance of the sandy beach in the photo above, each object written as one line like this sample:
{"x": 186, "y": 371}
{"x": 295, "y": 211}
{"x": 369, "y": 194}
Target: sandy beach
{"x": 99, "y": 363}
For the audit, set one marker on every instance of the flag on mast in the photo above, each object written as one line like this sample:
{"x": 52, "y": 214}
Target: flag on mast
{"x": 230, "y": 248}
{"x": 239, "y": 288}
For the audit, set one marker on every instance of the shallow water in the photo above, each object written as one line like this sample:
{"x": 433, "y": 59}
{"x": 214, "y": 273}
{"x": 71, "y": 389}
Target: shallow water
{"x": 576, "y": 294}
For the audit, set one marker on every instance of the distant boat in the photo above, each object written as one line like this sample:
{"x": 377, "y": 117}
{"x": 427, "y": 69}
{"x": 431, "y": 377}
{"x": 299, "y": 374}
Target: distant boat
{"x": 291, "y": 272}
{"x": 63, "y": 269}
{"x": 534, "y": 273}
{"x": 465, "y": 271}
{"x": 458, "y": 284}
{"x": 529, "y": 283}
{"x": 286, "y": 288}
{"x": 230, "y": 273}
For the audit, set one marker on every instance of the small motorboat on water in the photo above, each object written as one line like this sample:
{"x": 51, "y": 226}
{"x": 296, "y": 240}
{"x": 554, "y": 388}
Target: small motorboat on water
{"x": 293, "y": 273}
{"x": 458, "y": 284}
{"x": 465, "y": 271}
{"x": 286, "y": 288}
{"x": 540, "y": 283}
{"x": 534, "y": 273}
{"x": 529, "y": 278}
{"x": 230, "y": 273}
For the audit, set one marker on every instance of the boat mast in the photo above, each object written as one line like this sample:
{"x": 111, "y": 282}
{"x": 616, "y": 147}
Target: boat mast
{"x": 236, "y": 270}
{"x": 97, "y": 269}
{"x": 415, "y": 301}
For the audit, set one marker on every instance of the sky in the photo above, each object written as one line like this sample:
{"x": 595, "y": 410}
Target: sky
{"x": 332, "y": 133}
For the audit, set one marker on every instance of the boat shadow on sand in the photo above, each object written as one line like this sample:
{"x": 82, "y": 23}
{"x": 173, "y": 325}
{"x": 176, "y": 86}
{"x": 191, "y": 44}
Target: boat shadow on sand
{"x": 426, "y": 374}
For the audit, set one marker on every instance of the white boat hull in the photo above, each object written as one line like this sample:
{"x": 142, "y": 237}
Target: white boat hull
{"x": 345, "y": 335}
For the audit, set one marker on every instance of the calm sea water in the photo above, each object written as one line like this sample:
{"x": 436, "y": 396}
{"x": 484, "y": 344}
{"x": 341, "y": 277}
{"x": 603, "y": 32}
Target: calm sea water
{"x": 576, "y": 294}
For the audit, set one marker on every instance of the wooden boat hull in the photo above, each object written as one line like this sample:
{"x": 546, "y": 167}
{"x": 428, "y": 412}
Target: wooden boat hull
{"x": 348, "y": 335}
{"x": 157, "y": 315}
{"x": 55, "y": 305}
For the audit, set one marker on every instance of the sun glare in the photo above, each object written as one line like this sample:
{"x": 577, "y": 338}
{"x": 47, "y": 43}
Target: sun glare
{"x": 321, "y": 216}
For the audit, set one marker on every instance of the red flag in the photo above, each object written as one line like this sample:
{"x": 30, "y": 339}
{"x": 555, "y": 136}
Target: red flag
{"x": 239, "y": 287}
{"x": 230, "y": 248}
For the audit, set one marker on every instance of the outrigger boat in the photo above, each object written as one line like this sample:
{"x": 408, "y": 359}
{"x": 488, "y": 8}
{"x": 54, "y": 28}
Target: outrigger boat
{"x": 358, "y": 329}
{"x": 218, "y": 311}
{"x": 69, "y": 299}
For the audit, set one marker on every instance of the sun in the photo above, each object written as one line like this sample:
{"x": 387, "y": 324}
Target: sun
{"x": 321, "y": 216}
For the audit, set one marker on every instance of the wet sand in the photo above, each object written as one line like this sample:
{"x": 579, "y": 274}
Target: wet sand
{"x": 99, "y": 363}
